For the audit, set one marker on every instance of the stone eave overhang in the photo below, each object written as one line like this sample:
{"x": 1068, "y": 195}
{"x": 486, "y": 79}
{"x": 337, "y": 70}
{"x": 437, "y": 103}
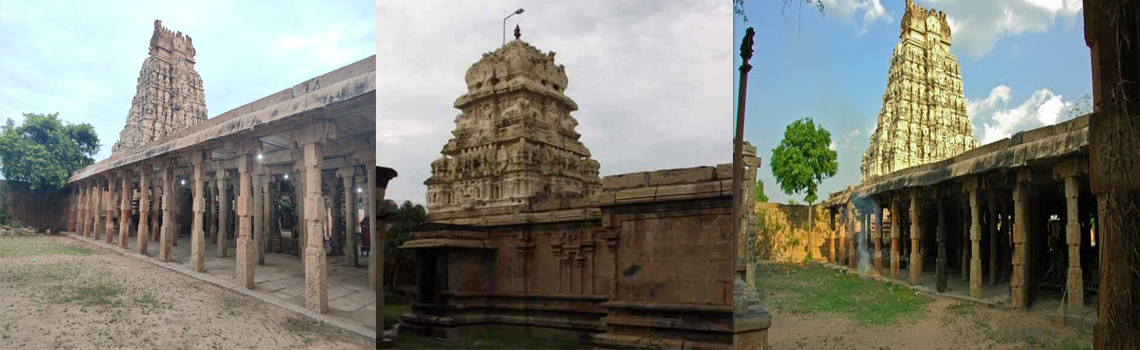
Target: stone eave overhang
{"x": 439, "y": 243}
{"x": 1025, "y": 148}
{"x": 518, "y": 83}
{"x": 342, "y": 85}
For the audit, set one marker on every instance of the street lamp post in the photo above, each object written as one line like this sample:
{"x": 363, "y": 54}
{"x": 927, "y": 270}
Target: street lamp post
{"x": 517, "y": 12}
{"x": 737, "y": 143}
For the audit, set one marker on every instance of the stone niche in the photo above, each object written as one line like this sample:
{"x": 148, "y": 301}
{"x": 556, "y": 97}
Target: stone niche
{"x": 923, "y": 118}
{"x": 514, "y": 137}
{"x": 169, "y": 95}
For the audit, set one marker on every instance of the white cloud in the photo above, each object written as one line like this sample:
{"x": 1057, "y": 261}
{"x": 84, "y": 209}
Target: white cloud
{"x": 978, "y": 25}
{"x": 293, "y": 43}
{"x": 848, "y": 138}
{"x": 871, "y": 11}
{"x": 994, "y": 120}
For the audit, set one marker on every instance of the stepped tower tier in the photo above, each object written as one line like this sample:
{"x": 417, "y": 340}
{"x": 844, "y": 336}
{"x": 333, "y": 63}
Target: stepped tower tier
{"x": 923, "y": 118}
{"x": 169, "y": 95}
{"x": 514, "y": 138}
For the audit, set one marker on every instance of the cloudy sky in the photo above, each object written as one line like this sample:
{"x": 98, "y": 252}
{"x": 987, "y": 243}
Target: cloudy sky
{"x": 650, "y": 78}
{"x": 1023, "y": 64}
{"x": 82, "y": 58}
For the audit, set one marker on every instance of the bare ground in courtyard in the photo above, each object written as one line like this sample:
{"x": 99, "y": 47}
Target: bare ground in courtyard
{"x": 57, "y": 294}
{"x": 814, "y": 307}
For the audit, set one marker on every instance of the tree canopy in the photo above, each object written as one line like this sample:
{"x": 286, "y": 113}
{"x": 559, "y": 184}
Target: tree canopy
{"x": 760, "y": 196}
{"x": 44, "y": 151}
{"x": 804, "y": 159}
{"x": 400, "y": 227}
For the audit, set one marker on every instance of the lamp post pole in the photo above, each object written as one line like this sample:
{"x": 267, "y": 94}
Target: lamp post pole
{"x": 737, "y": 145}
{"x": 517, "y": 12}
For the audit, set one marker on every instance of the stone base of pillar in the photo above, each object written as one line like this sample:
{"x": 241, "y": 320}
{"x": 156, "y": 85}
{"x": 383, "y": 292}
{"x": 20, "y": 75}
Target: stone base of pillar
{"x": 246, "y": 258}
{"x": 750, "y": 319}
{"x": 940, "y": 286}
{"x": 223, "y": 248}
{"x": 154, "y": 230}
{"x": 915, "y": 270}
{"x": 316, "y": 280}
{"x": 141, "y": 240}
{"x": 198, "y": 251}
{"x": 895, "y": 257}
{"x": 1076, "y": 289}
{"x": 976, "y": 277}
{"x": 164, "y": 250}
{"x": 124, "y": 228}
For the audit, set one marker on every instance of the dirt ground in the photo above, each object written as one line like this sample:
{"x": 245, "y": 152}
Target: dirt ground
{"x": 942, "y": 323}
{"x": 57, "y": 294}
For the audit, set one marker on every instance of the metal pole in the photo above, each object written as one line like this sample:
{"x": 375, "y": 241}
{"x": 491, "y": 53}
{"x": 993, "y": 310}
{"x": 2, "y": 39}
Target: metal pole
{"x": 737, "y": 144}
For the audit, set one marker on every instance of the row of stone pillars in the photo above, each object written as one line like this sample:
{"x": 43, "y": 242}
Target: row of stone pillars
{"x": 869, "y": 224}
{"x": 255, "y": 199}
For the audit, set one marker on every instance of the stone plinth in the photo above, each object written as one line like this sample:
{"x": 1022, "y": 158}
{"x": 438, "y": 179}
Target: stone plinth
{"x": 750, "y": 319}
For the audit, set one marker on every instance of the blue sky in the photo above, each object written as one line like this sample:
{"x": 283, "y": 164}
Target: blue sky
{"x": 1023, "y": 64}
{"x": 82, "y": 58}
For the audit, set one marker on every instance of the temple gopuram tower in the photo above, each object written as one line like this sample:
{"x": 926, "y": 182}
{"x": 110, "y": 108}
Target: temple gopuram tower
{"x": 169, "y": 94}
{"x": 514, "y": 138}
{"x": 923, "y": 118}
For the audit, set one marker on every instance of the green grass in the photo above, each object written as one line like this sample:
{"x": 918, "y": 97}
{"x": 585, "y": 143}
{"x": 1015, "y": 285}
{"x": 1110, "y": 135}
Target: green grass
{"x": 814, "y": 290}
{"x": 16, "y": 247}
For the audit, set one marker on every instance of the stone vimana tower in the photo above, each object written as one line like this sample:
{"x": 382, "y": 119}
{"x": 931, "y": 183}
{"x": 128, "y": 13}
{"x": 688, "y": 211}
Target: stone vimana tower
{"x": 169, "y": 94}
{"x": 923, "y": 118}
{"x": 514, "y": 138}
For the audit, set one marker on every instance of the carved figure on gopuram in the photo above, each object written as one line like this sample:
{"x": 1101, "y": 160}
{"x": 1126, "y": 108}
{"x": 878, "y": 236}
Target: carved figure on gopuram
{"x": 923, "y": 118}
{"x": 514, "y": 137}
{"x": 169, "y": 95}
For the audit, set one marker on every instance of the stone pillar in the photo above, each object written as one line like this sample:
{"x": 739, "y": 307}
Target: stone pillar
{"x": 311, "y": 140}
{"x": 266, "y": 219}
{"x": 374, "y": 270}
{"x": 1018, "y": 283}
{"x": 1069, "y": 170}
{"x": 144, "y": 208}
{"x": 896, "y": 227}
{"x": 176, "y": 209}
{"x": 71, "y": 204}
{"x": 211, "y": 210}
{"x": 125, "y": 209}
{"x": 965, "y": 241}
{"x": 258, "y": 204}
{"x": 915, "y": 233}
{"x": 877, "y": 237}
{"x": 273, "y": 199}
{"x": 222, "y": 177}
{"x": 246, "y": 243}
{"x": 347, "y": 177}
{"x": 975, "y": 238}
{"x": 831, "y": 237}
{"x": 992, "y": 207}
{"x": 853, "y": 223}
{"x": 93, "y": 192}
{"x": 100, "y": 208}
{"x": 166, "y": 178}
{"x": 110, "y": 206}
{"x": 155, "y": 213}
{"x": 383, "y": 210}
{"x": 940, "y": 265}
{"x": 197, "y": 231}
{"x": 299, "y": 209}
{"x": 85, "y": 215}
{"x": 335, "y": 204}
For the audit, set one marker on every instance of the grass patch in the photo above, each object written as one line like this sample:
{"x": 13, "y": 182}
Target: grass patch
{"x": 813, "y": 289}
{"x": 17, "y": 247}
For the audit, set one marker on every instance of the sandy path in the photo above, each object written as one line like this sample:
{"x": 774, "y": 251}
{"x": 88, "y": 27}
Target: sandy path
{"x": 72, "y": 297}
{"x": 946, "y": 324}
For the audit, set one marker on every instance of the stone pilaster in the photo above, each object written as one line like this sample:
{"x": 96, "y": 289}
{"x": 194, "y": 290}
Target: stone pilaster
{"x": 144, "y": 208}
{"x": 896, "y": 222}
{"x": 222, "y": 177}
{"x": 1068, "y": 171}
{"x": 166, "y": 178}
{"x": 246, "y": 243}
{"x": 915, "y": 234}
{"x": 311, "y": 140}
{"x": 346, "y": 175}
{"x": 1018, "y": 283}
{"x": 975, "y": 238}
{"x": 197, "y": 231}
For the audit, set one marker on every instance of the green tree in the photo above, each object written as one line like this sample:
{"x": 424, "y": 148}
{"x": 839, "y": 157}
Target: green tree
{"x": 803, "y": 160}
{"x": 738, "y": 6}
{"x": 44, "y": 151}
{"x": 400, "y": 227}
{"x": 760, "y": 197}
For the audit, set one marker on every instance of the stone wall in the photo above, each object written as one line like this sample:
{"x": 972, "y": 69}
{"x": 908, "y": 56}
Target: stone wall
{"x": 784, "y": 235}
{"x": 651, "y": 248}
{"x": 34, "y": 211}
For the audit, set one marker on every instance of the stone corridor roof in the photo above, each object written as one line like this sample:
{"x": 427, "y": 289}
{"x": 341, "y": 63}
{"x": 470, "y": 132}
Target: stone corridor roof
{"x": 1030, "y": 147}
{"x": 356, "y": 80}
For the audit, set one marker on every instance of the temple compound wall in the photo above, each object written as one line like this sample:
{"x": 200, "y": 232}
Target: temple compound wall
{"x": 1017, "y": 213}
{"x": 923, "y": 118}
{"x": 221, "y": 180}
{"x": 522, "y": 234}
{"x": 32, "y": 210}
